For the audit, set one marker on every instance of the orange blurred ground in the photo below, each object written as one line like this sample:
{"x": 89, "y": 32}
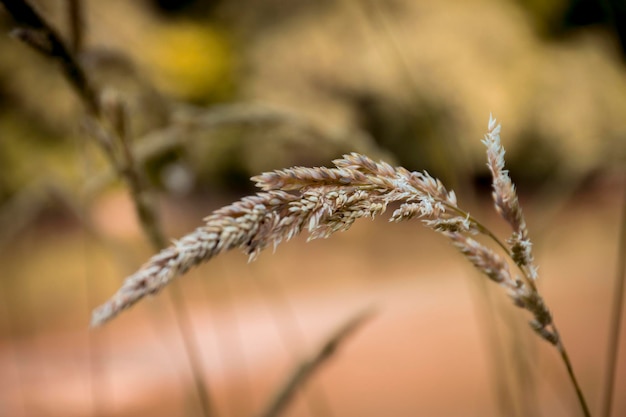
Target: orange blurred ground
{"x": 426, "y": 352}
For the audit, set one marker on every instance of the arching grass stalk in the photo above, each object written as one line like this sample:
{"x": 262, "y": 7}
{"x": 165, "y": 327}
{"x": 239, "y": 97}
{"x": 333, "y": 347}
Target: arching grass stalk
{"x": 327, "y": 200}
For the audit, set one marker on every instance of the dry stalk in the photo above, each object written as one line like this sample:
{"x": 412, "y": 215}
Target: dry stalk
{"x": 327, "y": 200}
{"x": 617, "y": 312}
{"x": 322, "y": 201}
{"x": 109, "y": 129}
{"x": 37, "y": 33}
{"x": 307, "y": 367}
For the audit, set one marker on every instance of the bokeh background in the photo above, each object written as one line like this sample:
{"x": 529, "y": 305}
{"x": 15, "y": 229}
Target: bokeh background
{"x": 218, "y": 91}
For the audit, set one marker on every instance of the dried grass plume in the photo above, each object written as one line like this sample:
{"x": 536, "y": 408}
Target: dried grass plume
{"x": 323, "y": 201}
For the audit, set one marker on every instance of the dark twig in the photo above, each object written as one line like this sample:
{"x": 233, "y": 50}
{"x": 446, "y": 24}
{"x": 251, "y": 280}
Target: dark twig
{"x": 76, "y": 21}
{"x": 36, "y": 32}
{"x": 307, "y": 367}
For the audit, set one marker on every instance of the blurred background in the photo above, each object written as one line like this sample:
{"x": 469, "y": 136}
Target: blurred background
{"x": 217, "y": 91}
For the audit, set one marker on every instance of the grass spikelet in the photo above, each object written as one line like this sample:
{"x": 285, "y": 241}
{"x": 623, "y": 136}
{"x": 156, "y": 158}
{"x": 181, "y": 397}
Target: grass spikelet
{"x": 323, "y": 201}
{"x": 506, "y": 201}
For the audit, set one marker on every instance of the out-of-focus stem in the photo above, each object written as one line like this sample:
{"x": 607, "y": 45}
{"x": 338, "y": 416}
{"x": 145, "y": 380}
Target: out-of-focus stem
{"x": 40, "y": 35}
{"x": 570, "y": 371}
{"x": 617, "y": 310}
{"x": 308, "y": 366}
{"x": 77, "y": 28}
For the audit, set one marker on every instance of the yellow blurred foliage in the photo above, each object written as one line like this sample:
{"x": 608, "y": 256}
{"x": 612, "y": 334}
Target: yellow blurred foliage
{"x": 190, "y": 61}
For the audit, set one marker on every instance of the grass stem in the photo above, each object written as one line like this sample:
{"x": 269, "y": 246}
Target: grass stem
{"x": 36, "y": 32}
{"x": 570, "y": 371}
{"x": 308, "y": 366}
{"x": 617, "y": 309}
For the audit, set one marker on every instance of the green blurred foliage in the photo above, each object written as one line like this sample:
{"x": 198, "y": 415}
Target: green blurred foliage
{"x": 412, "y": 81}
